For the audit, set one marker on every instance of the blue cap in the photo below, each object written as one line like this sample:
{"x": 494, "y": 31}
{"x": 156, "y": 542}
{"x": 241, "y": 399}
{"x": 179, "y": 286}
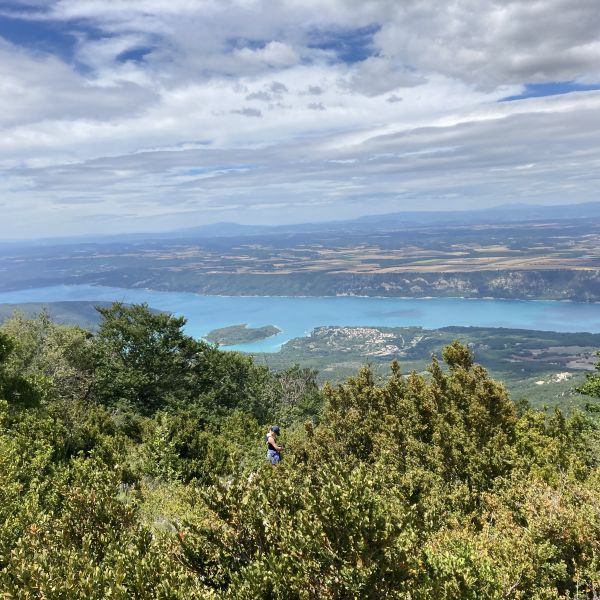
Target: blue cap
{"x": 275, "y": 429}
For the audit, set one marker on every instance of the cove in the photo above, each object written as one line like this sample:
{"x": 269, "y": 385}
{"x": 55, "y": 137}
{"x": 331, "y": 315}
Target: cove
{"x": 297, "y": 316}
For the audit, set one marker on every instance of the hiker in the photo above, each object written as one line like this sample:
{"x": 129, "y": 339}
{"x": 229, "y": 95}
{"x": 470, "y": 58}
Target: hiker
{"x": 273, "y": 449}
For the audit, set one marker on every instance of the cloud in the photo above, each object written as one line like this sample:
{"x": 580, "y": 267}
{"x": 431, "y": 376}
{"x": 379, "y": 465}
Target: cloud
{"x": 313, "y": 90}
{"x": 379, "y": 74}
{"x": 278, "y": 88}
{"x": 479, "y": 159}
{"x": 497, "y": 43}
{"x": 41, "y": 87}
{"x": 262, "y": 96}
{"x": 191, "y": 107}
{"x": 393, "y": 98}
{"x": 248, "y": 112}
{"x": 273, "y": 54}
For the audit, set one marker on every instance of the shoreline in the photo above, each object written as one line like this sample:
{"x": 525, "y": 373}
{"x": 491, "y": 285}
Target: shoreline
{"x": 299, "y": 316}
{"x": 336, "y": 296}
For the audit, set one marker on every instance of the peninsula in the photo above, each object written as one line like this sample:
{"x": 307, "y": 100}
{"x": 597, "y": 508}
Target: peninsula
{"x": 241, "y": 334}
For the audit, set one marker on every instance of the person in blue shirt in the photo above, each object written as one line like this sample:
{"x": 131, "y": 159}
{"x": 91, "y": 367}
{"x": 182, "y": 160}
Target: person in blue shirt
{"x": 273, "y": 448}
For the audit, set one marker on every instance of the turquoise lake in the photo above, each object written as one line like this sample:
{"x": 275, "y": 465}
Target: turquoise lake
{"x": 296, "y": 317}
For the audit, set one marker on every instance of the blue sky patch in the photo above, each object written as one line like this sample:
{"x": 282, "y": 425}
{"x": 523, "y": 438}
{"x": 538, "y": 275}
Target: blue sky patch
{"x": 193, "y": 171}
{"x": 196, "y": 171}
{"x": 21, "y": 8}
{"x": 556, "y": 88}
{"x": 47, "y": 36}
{"x": 134, "y": 54}
{"x": 350, "y": 45}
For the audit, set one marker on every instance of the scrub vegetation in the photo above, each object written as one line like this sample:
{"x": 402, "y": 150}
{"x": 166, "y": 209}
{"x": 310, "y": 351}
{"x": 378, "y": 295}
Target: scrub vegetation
{"x": 132, "y": 465}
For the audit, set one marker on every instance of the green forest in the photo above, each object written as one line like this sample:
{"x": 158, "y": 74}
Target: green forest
{"x": 133, "y": 465}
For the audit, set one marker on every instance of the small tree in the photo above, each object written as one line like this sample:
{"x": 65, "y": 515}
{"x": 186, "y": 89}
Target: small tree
{"x": 14, "y": 388}
{"x": 591, "y": 387}
{"x": 144, "y": 359}
{"x": 58, "y": 354}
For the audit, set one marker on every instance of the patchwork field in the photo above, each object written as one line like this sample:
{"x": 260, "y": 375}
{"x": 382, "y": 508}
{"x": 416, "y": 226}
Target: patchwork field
{"x": 553, "y": 260}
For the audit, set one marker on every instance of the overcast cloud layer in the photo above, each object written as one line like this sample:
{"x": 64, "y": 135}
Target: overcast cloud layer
{"x": 127, "y": 115}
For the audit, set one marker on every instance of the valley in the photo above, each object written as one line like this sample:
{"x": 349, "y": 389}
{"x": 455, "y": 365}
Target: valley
{"x": 540, "y": 259}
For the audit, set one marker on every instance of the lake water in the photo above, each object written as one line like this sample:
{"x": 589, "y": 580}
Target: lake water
{"x": 298, "y": 316}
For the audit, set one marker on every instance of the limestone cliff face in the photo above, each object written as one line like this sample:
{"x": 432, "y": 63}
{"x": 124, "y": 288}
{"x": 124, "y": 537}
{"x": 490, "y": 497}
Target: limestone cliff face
{"x": 582, "y": 285}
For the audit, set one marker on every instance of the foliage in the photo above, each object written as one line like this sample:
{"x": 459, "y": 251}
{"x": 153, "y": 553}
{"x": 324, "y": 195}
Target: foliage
{"x": 296, "y": 394}
{"x": 89, "y": 544}
{"x": 146, "y": 363}
{"x": 592, "y": 385}
{"x": 178, "y": 448}
{"x": 326, "y": 532}
{"x": 143, "y": 358}
{"x": 132, "y": 465}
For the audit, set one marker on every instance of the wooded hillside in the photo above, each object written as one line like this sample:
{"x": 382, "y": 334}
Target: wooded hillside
{"x": 132, "y": 465}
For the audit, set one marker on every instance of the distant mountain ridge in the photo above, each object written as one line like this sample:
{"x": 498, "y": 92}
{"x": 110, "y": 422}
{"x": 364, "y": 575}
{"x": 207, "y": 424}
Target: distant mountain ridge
{"x": 507, "y": 213}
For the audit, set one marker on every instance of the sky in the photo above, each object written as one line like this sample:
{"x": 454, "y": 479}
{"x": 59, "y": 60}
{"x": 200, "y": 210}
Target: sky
{"x": 149, "y": 115}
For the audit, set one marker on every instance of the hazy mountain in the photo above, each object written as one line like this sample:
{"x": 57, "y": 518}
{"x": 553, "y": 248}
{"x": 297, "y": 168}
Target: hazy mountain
{"x": 509, "y": 213}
